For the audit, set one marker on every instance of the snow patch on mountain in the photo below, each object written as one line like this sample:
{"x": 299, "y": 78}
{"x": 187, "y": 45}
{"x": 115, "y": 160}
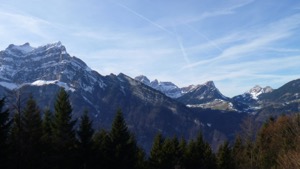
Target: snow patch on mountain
{"x": 143, "y": 79}
{"x": 168, "y": 88}
{"x": 45, "y": 82}
{"x": 216, "y": 104}
{"x": 257, "y": 90}
{"x": 20, "y": 50}
{"x": 25, "y": 65}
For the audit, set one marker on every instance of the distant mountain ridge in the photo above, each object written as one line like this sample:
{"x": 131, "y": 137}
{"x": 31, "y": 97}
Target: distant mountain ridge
{"x": 251, "y": 97}
{"x": 205, "y": 95}
{"x": 149, "y": 107}
{"x": 42, "y": 71}
{"x": 168, "y": 88}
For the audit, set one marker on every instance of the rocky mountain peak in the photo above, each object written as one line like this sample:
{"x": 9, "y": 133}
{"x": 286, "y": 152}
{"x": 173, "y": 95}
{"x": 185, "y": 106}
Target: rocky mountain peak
{"x": 24, "y": 64}
{"x": 189, "y": 88}
{"x": 143, "y": 79}
{"x": 258, "y": 90}
{"x": 268, "y": 89}
{"x": 201, "y": 94}
{"x": 155, "y": 83}
{"x": 19, "y": 50}
{"x": 210, "y": 84}
{"x": 168, "y": 88}
{"x": 26, "y": 49}
{"x": 208, "y": 88}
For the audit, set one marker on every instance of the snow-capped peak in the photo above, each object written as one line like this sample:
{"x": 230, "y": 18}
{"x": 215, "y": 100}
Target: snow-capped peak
{"x": 143, "y": 79}
{"x": 55, "y": 44}
{"x": 26, "y": 49}
{"x": 51, "y": 63}
{"x": 168, "y": 88}
{"x": 19, "y": 50}
{"x": 257, "y": 90}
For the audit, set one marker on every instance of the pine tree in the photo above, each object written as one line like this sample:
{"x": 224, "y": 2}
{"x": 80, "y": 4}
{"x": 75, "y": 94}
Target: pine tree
{"x": 31, "y": 122}
{"x": 156, "y": 153}
{"x": 238, "y": 153}
{"x": 225, "y": 158}
{"x": 170, "y": 151}
{"x": 141, "y": 159}
{"x": 199, "y": 155}
{"x": 4, "y": 122}
{"x": 47, "y": 126}
{"x": 47, "y": 141}
{"x": 4, "y": 129}
{"x": 16, "y": 142}
{"x": 123, "y": 144}
{"x": 182, "y": 151}
{"x": 85, "y": 132}
{"x": 64, "y": 139}
{"x": 32, "y": 133}
{"x": 85, "y": 135}
{"x": 165, "y": 153}
{"x": 102, "y": 153}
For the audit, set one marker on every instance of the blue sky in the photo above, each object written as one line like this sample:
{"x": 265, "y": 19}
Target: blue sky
{"x": 235, "y": 43}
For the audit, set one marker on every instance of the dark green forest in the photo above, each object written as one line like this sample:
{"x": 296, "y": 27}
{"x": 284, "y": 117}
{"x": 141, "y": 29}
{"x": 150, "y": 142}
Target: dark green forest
{"x": 29, "y": 140}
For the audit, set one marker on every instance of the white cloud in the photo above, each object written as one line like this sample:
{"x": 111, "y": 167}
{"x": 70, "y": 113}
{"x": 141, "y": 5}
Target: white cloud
{"x": 271, "y": 34}
{"x": 222, "y": 11}
{"x": 145, "y": 18}
{"x": 17, "y": 22}
{"x": 189, "y": 18}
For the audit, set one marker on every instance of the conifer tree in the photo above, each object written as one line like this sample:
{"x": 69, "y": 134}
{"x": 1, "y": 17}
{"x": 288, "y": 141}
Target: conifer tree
{"x": 122, "y": 144}
{"x": 31, "y": 122}
{"x": 85, "y": 134}
{"x": 64, "y": 139}
{"x": 47, "y": 127}
{"x": 199, "y": 155}
{"x": 141, "y": 159}
{"x": 102, "y": 153}
{"x": 47, "y": 142}
{"x": 16, "y": 142}
{"x": 224, "y": 157}
{"x": 4, "y": 129}
{"x": 182, "y": 151}
{"x": 32, "y": 133}
{"x": 156, "y": 153}
{"x": 238, "y": 153}
{"x": 170, "y": 151}
{"x": 4, "y": 122}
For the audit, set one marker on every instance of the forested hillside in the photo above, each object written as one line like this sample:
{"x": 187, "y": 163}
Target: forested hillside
{"x": 28, "y": 140}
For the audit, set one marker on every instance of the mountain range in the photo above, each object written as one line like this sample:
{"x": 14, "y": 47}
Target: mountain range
{"x": 149, "y": 107}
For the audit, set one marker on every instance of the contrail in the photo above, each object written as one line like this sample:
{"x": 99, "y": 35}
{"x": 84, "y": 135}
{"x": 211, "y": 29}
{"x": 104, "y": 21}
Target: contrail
{"x": 183, "y": 50}
{"x": 185, "y": 56}
{"x": 206, "y": 38}
{"x": 143, "y": 17}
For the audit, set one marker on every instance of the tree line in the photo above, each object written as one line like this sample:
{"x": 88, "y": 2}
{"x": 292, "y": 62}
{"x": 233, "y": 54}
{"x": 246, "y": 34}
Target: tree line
{"x": 54, "y": 141}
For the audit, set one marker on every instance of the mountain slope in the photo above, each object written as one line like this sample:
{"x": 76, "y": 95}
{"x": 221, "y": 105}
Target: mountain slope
{"x": 206, "y": 96}
{"x": 202, "y": 94}
{"x": 168, "y": 88}
{"x": 43, "y": 70}
{"x": 286, "y": 93}
{"x": 284, "y": 100}
{"x": 147, "y": 106}
{"x": 251, "y": 97}
{"x": 209, "y": 97}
